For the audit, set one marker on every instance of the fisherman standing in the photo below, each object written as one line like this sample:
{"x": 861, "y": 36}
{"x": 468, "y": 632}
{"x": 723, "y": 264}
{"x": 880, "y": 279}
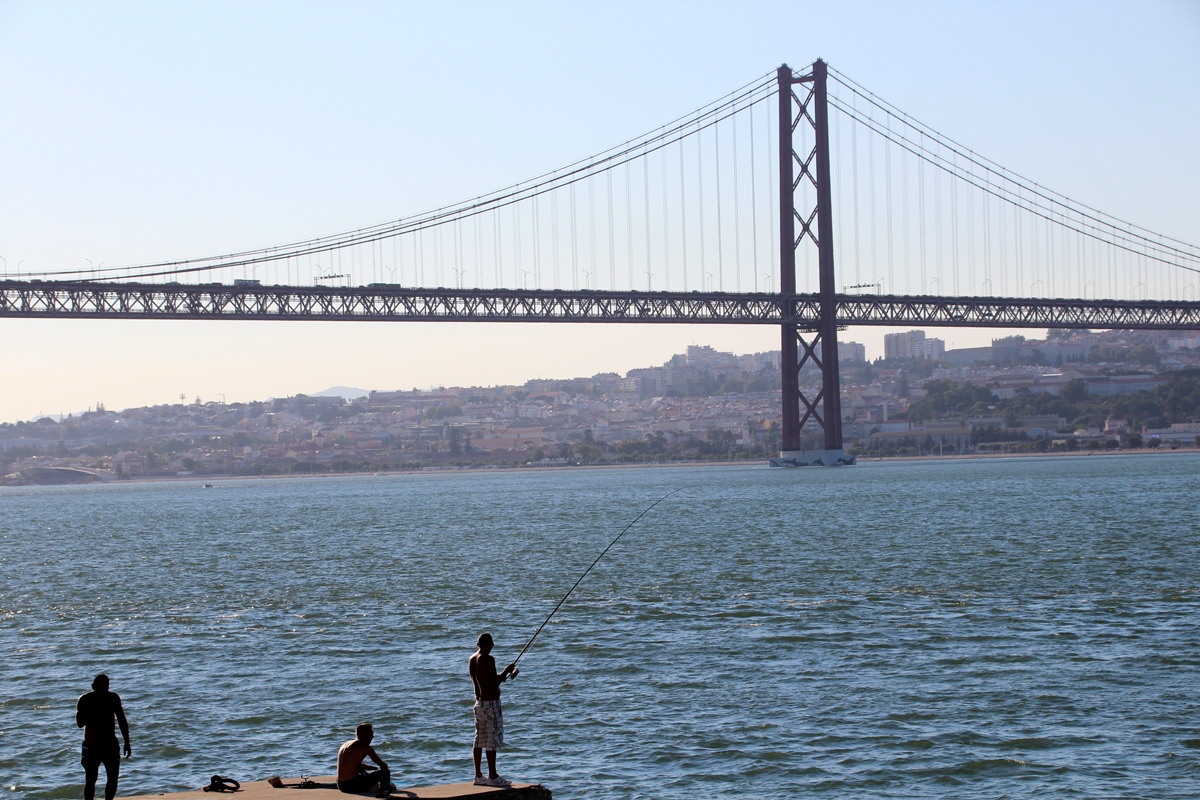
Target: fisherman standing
{"x": 96, "y": 712}
{"x": 489, "y": 720}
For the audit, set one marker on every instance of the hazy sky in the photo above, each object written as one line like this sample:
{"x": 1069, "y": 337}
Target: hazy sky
{"x": 138, "y": 131}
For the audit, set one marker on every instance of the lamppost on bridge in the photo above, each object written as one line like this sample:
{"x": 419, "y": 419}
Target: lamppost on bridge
{"x": 1141, "y": 286}
{"x": 1035, "y": 283}
{"x": 1089, "y": 283}
{"x": 587, "y": 279}
{"x": 934, "y": 282}
{"x": 524, "y": 279}
{"x": 5, "y": 260}
{"x": 1185, "y": 289}
{"x": 770, "y": 282}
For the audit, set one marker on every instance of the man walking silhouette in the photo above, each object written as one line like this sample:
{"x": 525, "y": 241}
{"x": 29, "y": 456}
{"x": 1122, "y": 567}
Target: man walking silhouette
{"x": 96, "y": 712}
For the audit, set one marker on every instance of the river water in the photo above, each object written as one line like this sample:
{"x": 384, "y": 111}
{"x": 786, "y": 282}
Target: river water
{"x": 967, "y": 629}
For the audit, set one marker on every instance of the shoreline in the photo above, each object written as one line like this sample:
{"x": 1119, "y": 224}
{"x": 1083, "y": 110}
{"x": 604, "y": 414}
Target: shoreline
{"x": 1059, "y": 454}
{"x": 645, "y": 465}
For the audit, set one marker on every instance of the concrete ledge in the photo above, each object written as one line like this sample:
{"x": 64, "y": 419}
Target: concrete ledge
{"x": 261, "y": 790}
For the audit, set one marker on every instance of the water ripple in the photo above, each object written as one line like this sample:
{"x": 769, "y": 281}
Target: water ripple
{"x": 972, "y": 629}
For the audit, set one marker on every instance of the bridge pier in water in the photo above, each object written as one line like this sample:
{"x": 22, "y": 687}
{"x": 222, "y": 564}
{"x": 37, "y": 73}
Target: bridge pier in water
{"x": 826, "y": 406}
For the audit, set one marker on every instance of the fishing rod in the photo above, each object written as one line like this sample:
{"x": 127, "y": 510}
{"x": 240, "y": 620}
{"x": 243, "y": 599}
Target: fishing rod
{"x": 584, "y": 575}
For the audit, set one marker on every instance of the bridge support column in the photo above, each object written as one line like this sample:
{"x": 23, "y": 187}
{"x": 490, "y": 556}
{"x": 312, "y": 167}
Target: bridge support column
{"x": 826, "y": 406}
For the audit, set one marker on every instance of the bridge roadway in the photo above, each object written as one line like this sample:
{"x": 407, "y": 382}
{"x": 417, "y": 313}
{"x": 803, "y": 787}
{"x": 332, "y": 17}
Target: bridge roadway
{"x": 83, "y": 300}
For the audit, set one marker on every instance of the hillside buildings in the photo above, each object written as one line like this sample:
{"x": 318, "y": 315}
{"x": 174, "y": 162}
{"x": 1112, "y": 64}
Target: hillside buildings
{"x": 702, "y": 403}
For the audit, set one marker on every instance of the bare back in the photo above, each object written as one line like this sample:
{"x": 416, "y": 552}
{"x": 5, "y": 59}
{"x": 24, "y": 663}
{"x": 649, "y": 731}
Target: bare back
{"x": 483, "y": 675}
{"x": 350, "y": 758}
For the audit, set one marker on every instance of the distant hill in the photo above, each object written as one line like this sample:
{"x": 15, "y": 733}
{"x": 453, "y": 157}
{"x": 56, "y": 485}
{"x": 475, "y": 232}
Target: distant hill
{"x": 347, "y": 392}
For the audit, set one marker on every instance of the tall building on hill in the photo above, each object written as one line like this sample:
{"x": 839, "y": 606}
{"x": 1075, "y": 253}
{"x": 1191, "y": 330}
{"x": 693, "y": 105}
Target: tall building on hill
{"x": 933, "y": 349}
{"x": 851, "y": 351}
{"x": 912, "y": 344}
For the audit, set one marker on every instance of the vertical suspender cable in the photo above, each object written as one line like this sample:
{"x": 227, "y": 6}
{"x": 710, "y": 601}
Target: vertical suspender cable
{"x": 921, "y": 217}
{"x": 478, "y": 234}
{"x": 496, "y": 257}
{"x": 536, "y": 202}
{"x": 666, "y": 223}
{"x": 612, "y": 252}
{"x": 906, "y": 226}
{"x": 720, "y": 239}
{"x": 954, "y": 232}
{"x": 737, "y": 228}
{"x": 854, "y": 181}
{"x": 554, "y": 239}
{"x": 574, "y": 241}
{"x": 1019, "y": 246}
{"x": 1034, "y": 269}
{"x": 646, "y": 192}
{"x": 971, "y": 240}
{"x": 937, "y": 228}
{"x": 753, "y": 205}
{"x": 517, "y": 262}
{"x": 683, "y": 217}
{"x": 871, "y": 199}
{"x": 592, "y": 228}
{"x": 629, "y": 220}
{"x": 1002, "y": 240}
{"x": 1050, "y": 260}
{"x": 987, "y": 245}
{"x": 771, "y": 193}
{"x": 700, "y": 200}
{"x": 887, "y": 171}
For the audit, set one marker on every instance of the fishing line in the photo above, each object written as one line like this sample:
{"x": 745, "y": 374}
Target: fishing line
{"x": 586, "y": 571}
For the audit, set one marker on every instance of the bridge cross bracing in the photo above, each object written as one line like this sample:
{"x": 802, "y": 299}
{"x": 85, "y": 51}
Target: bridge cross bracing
{"x": 129, "y": 300}
{"x": 730, "y": 214}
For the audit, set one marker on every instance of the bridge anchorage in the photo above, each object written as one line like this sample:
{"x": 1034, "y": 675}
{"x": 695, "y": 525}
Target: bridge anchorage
{"x": 652, "y": 205}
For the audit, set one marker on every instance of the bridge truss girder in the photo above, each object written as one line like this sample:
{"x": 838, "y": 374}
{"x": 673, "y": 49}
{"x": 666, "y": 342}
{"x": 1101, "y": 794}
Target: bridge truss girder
{"x": 83, "y": 300}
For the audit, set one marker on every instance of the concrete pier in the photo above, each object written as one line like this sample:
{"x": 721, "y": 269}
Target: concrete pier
{"x": 261, "y": 790}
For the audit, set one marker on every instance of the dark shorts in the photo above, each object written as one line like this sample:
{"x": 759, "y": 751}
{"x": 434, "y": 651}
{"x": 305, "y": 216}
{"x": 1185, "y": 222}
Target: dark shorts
{"x": 108, "y": 755}
{"x": 363, "y": 781}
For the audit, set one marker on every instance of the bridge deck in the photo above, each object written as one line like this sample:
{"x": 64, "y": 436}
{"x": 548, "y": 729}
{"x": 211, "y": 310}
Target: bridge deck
{"x": 32, "y": 299}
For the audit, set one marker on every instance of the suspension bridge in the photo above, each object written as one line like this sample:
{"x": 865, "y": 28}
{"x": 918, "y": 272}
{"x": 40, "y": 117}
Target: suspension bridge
{"x": 728, "y": 215}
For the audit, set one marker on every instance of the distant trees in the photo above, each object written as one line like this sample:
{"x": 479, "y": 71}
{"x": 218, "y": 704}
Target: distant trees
{"x": 944, "y": 397}
{"x": 443, "y": 412}
{"x": 1075, "y": 391}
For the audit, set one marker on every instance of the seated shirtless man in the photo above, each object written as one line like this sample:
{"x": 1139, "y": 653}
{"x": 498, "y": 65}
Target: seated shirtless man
{"x": 353, "y": 776}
